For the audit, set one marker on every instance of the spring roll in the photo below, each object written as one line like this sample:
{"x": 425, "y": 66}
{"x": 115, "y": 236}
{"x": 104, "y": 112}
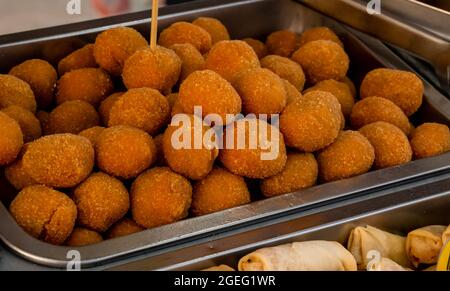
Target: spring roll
{"x": 221, "y": 268}
{"x": 386, "y": 264}
{"x": 300, "y": 256}
{"x": 365, "y": 239}
{"x": 424, "y": 244}
{"x": 446, "y": 236}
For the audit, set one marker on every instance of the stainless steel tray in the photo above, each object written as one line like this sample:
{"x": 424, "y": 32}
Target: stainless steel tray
{"x": 244, "y": 18}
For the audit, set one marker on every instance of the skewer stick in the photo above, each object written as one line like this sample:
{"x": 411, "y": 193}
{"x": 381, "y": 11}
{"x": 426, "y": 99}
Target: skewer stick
{"x": 154, "y": 24}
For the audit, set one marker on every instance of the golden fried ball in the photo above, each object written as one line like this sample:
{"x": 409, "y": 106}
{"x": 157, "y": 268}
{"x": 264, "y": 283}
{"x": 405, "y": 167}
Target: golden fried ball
{"x": 253, "y": 149}
{"x": 158, "y": 68}
{"x": 83, "y": 237}
{"x": 11, "y": 140}
{"x": 391, "y": 145}
{"x": 300, "y": 172}
{"x": 311, "y": 122}
{"x": 72, "y": 117}
{"x": 29, "y": 124}
{"x": 90, "y": 85}
{"x": 282, "y": 43}
{"x": 41, "y": 76}
{"x": 184, "y": 32}
{"x": 322, "y": 60}
{"x": 44, "y": 213}
{"x": 114, "y": 46}
{"x": 372, "y": 109}
{"x": 101, "y": 201}
{"x": 350, "y": 155}
{"x": 319, "y": 33}
{"x": 229, "y": 58}
{"x": 258, "y": 46}
{"x": 350, "y": 85}
{"x": 14, "y": 91}
{"x": 124, "y": 227}
{"x": 430, "y": 139}
{"x": 105, "y": 107}
{"x": 214, "y": 27}
{"x": 291, "y": 92}
{"x": 43, "y": 117}
{"x": 403, "y": 88}
{"x": 218, "y": 191}
{"x": 92, "y": 134}
{"x": 160, "y": 196}
{"x": 16, "y": 174}
{"x": 192, "y": 60}
{"x": 79, "y": 59}
{"x": 262, "y": 92}
{"x": 143, "y": 108}
{"x": 54, "y": 51}
{"x": 286, "y": 69}
{"x": 125, "y": 151}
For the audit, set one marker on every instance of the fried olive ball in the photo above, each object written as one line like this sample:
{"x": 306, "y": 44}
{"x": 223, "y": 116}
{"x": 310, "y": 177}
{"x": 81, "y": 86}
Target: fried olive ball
{"x": 311, "y": 122}
{"x": 258, "y": 46}
{"x": 114, "y": 46}
{"x": 339, "y": 90}
{"x": 300, "y": 172}
{"x": 350, "y": 155}
{"x": 322, "y": 60}
{"x": 125, "y": 151}
{"x": 55, "y": 51}
{"x": 210, "y": 91}
{"x": 43, "y": 117}
{"x": 158, "y": 68}
{"x": 351, "y": 86}
{"x": 214, "y": 27}
{"x": 41, "y": 76}
{"x": 372, "y": 109}
{"x": 262, "y": 92}
{"x": 105, "y": 107}
{"x": 190, "y": 57}
{"x": 11, "y": 140}
{"x": 79, "y": 59}
{"x": 229, "y": 58}
{"x": 16, "y": 175}
{"x": 90, "y": 85}
{"x": 186, "y": 158}
{"x": 83, "y": 237}
{"x": 143, "y": 108}
{"x": 14, "y": 91}
{"x": 92, "y": 134}
{"x": 253, "y": 149}
{"x": 184, "y": 32}
{"x": 160, "y": 196}
{"x": 391, "y": 145}
{"x": 72, "y": 117}
{"x": 282, "y": 43}
{"x": 286, "y": 69}
{"x": 124, "y": 227}
{"x": 403, "y": 88}
{"x": 44, "y": 213}
{"x": 218, "y": 191}
{"x": 291, "y": 92}
{"x": 101, "y": 201}
{"x": 319, "y": 33}
{"x": 177, "y": 108}
{"x": 29, "y": 124}
{"x": 430, "y": 139}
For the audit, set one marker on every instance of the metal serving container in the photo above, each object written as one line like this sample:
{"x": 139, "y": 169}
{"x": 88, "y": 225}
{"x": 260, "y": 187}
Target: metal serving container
{"x": 255, "y": 18}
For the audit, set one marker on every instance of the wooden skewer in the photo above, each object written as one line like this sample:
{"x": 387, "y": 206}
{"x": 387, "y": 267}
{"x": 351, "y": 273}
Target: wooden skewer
{"x": 154, "y": 24}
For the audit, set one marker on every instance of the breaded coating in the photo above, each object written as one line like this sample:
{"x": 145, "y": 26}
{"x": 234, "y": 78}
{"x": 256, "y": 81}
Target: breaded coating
{"x": 311, "y": 122}
{"x": 172, "y": 98}
{"x": 60, "y": 160}
{"x": 157, "y": 68}
{"x": 218, "y": 191}
{"x": 430, "y": 139}
{"x": 16, "y": 175}
{"x": 351, "y": 86}
{"x": 101, "y": 201}
{"x": 124, "y": 227}
{"x": 55, "y": 51}
{"x": 143, "y": 108}
{"x": 160, "y": 196}
{"x": 286, "y": 69}
{"x": 282, "y": 43}
{"x": 79, "y": 59}
{"x": 262, "y": 92}
{"x": 192, "y": 60}
{"x": 83, "y": 237}
{"x": 114, "y": 46}
{"x": 319, "y": 33}
{"x": 391, "y": 145}
{"x": 291, "y": 92}
{"x": 253, "y": 149}
{"x": 177, "y": 108}
{"x": 322, "y": 60}
{"x": 41, "y": 76}
{"x": 125, "y": 151}
{"x": 44, "y": 213}
{"x": 92, "y": 134}
{"x": 14, "y": 91}
{"x": 90, "y": 85}
{"x": 372, "y": 109}
{"x": 161, "y": 160}
{"x": 11, "y": 140}
{"x": 29, "y": 124}
{"x": 300, "y": 173}
{"x": 229, "y": 58}
{"x": 43, "y": 117}
{"x": 105, "y": 107}
{"x": 184, "y": 32}
{"x": 72, "y": 117}
{"x": 214, "y": 27}
{"x": 350, "y": 155}
{"x": 258, "y": 46}
{"x": 403, "y": 88}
